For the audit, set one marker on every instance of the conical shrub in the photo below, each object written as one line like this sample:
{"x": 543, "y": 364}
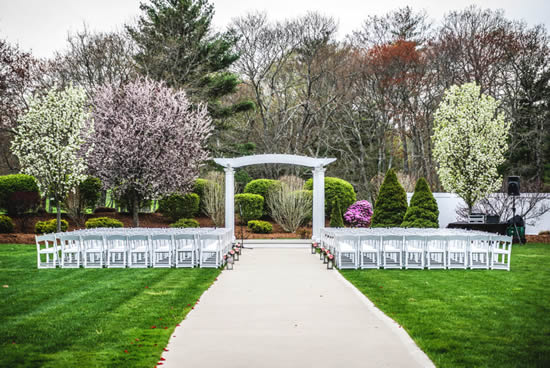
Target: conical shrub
{"x": 336, "y": 219}
{"x": 422, "y": 211}
{"x": 391, "y": 203}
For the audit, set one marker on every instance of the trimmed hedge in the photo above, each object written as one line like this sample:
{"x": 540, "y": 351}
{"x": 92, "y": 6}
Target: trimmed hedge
{"x": 50, "y": 226}
{"x": 18, "y": 193}
{"x": 260, "y": 227}
{"x": 391, "y": 203}
{"x": 422, "y": 211}
{"x": 336, "y": 191}
{"x": 262, "y": 187}
{"x": 252, "y": 206}
{"x": 103, "y": 222}
{"x": 186, "y": 222}
{"x": 6, "y": 224}
{"x": 177, "y": 206}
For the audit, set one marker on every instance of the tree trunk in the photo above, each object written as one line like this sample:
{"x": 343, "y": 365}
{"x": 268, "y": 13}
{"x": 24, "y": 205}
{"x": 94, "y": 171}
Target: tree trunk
{"x": 135, "y": 211}
{"x": 58, "y": 212}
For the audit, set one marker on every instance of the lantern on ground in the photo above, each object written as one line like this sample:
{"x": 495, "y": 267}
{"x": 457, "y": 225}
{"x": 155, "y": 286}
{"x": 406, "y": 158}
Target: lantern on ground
{"x": 313, "y": 247}
{"x": 330, "y": 263}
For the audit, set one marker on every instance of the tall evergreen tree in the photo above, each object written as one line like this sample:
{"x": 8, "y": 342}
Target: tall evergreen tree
{"x": 391, "y": 203}
{"x": 422, "y": 211}
{"x": 176, "y": 45}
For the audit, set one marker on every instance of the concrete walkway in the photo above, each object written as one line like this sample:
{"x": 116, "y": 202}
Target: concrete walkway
{"x": 283, "y": 308}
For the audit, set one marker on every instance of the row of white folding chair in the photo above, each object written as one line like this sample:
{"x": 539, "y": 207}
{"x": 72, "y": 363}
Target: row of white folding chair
{"x": 117, "y": 250}
{"x": 415, "y": 251}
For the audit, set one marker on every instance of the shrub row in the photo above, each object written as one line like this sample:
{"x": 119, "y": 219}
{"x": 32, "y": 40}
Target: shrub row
{"x": 260, "y": 227}
{"x": 49, "y": 226}
{"x": 185, "y": 222}
{"x": 18, "y": 194}
{"x": 6, "y": 224}
{"x": 103, "y": 222}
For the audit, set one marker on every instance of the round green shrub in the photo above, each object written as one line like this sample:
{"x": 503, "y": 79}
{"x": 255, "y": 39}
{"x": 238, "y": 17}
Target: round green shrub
{"x": 50, "y": 226}
{"x": 252, "y": 206}
{"x": 260, "y": 227}
{"x": 176, "y": 206}
{"x": 18, "y": 193}
{"x": 422, "y": 211}
{"x": 336, "y": 191}
{"x": 6, "y": 224}
{"x": 103, "y": 222}
{"x": 262, "y": 187}
{"x": 90, "y": 191}
{"x": 185, "y": 222}
{"x": 391, "y": 203}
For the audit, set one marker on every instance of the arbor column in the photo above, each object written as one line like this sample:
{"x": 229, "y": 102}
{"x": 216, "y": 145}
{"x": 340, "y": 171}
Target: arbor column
{"x": 318, "y": 202}
{"x": 230, "y": 199}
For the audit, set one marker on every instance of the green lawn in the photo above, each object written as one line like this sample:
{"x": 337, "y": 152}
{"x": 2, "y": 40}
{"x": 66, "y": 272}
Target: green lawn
{"x": 90, "y": 317}
{"x": 471, "y": 318}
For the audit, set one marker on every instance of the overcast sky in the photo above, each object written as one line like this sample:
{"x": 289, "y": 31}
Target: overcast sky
{"x": 42, "y": 25}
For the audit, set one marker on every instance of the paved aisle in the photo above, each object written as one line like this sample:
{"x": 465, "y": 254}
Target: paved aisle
{"x": 283, "y": 308}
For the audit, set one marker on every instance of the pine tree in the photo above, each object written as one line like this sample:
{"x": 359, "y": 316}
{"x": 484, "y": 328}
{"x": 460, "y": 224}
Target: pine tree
{"x": 391, "y": 203}
{"x": 422, "y": 211}
{"x": 176, "y": 45}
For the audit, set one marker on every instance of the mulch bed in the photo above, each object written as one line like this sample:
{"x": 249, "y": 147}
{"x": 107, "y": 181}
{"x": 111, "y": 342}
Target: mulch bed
{"x": 24, "y": 226}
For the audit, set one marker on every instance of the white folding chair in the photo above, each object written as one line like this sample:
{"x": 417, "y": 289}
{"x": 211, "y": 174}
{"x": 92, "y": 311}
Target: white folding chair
{"x": 392, "y": 251}
{"x": 478, "y": 252}
{"x": 185, "y": 250}
{"x": 138, "y": 251}
{"x": 116, "y": 246}
{"x": 92, "y": 251}
{"x": 346, "y": 247}
{"x": 70, "y": 251}
{"x": 47, "y": 245}
{"x": 501, "y": 252}
{"x": 161, "y": 250}
{"x": 436, "y": 252}
{"x": 369, "y": 251}
{"x": 457, "y": 251}
{"x": 210, "y": 251}
{"x": 415, "y": 246}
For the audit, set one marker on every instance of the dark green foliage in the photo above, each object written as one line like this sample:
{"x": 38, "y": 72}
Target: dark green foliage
{"x": 336, "y": 191}
{"x": 391, "y": 203}
{"x": 260, "y": 227}
{"x": 124, "y": 203}
{"x": 251, "y": 205}
{"x": 422, "y": 211}
{"x": 176, "y": 206}
{"x": 177, "y": 45}
{"x": 262, "y": 187}
{"x": 103, "y": 222}
{"x": 336, "y": 219}
{"x": 186, "y": 222}
{"x": 198, "y": 189}
{"x": 6, "y": 224}
{"x": 18, "y": 193}
{"x": 104, "y": 209}
{"x": 50, "y": 226}
{"x": 242, "y": 179}
{"x": 90, "y": 192}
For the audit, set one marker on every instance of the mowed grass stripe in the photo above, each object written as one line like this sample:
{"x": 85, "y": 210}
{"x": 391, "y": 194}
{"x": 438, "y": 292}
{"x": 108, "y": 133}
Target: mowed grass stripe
{"x": 60, "y": 317}
{"x": 471, "y": 318}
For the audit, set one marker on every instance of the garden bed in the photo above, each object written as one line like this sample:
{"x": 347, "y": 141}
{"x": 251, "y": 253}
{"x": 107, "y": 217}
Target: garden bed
{"x": 25, "y": 234}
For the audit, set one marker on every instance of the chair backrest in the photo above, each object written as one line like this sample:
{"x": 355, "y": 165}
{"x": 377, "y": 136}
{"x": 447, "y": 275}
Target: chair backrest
{"x": 416, "y": 241}
{"x": 370, "y": 240}
{"x": 394, "y": 241}
{"x": 502, "y": 241}
{"x": 45, "y": 238}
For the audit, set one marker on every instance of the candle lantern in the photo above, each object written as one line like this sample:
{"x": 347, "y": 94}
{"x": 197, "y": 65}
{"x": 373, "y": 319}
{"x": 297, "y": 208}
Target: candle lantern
{"x": 230, "y": 263}
{"x": 321, "y": 254}
{"x": 236, "y": 255}
{"x": 313, "y": 248}
{"x": 325, "y": 257}
{"x": 330, "y": 263}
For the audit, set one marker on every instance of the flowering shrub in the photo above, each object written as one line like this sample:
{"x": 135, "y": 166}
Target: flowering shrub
{"x": 359, "y": 214}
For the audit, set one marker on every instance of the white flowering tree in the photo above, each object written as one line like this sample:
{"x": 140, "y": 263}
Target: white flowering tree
{"x": 48, "y": 141}
{"x": 149, "y": 140}
{"x": 470, "y": 139}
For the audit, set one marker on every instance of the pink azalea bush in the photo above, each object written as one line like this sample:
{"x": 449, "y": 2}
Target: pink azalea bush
{"x": 359, "y": 214}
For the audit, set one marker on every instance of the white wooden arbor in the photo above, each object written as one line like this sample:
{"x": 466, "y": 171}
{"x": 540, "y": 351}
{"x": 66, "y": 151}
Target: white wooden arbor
{"x": 318, "y": 165}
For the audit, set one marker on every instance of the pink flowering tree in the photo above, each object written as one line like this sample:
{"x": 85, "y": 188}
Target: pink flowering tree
{"x": 359, "y": 214}
{"x": 148, "y": 141}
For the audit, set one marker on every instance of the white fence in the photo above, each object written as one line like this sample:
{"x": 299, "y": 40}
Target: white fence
{"x": 448, "y": 203}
